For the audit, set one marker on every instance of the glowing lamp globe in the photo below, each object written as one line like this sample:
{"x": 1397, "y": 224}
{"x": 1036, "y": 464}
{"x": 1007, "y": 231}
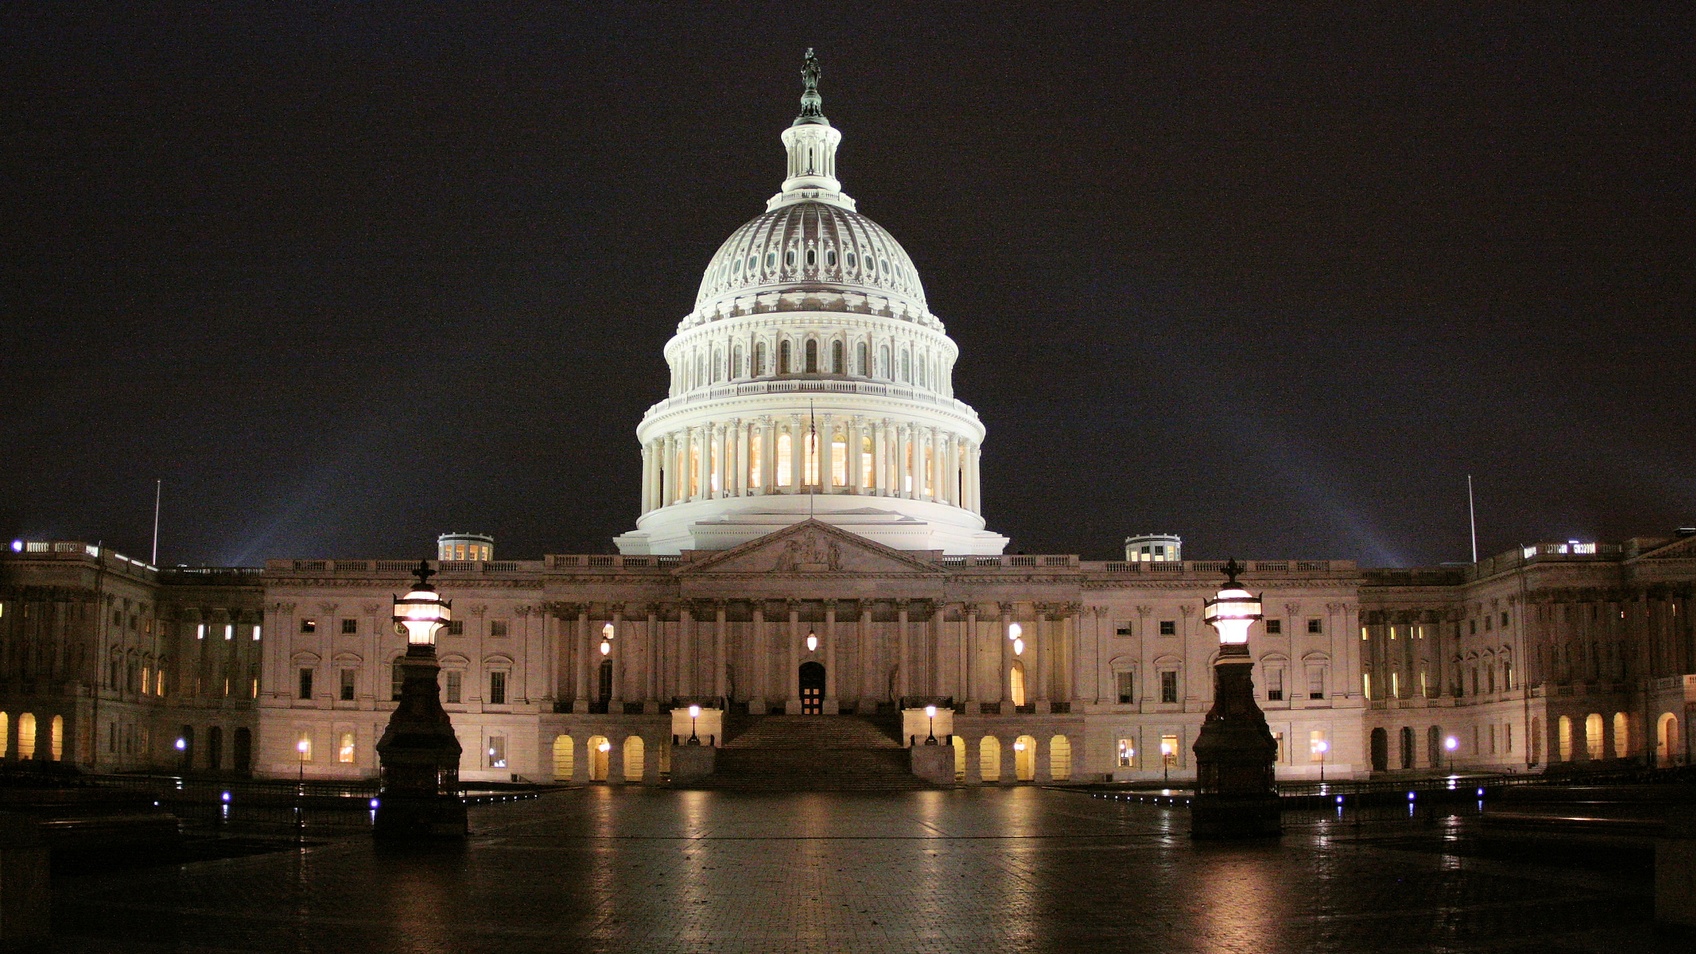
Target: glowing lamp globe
{"x": 694, "y": 712}
{"x": 1233, "y": 611}
{"x": 421, "y": 613}
{"x": 930, "y": 712}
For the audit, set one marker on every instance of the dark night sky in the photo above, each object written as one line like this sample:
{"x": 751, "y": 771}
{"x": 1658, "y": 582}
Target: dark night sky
{"x": 345, "y": 275}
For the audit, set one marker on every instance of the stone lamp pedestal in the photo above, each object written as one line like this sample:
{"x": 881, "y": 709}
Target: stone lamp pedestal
{"x": 1235, "y": 795}
{"x": 419, "y": 754}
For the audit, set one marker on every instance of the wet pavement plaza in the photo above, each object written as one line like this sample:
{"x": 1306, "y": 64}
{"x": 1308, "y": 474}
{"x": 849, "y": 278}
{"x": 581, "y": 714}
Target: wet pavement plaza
{"x": 1021, "y": 869}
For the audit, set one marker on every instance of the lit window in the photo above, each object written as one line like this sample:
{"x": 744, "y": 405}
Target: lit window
{"x": 1127, "y": 753}
{"x": 497, "y": 751}
{"x": 200, "y": 631}
{"x": 344, "y": 748}
{"x": 785, "y": 460}
{"x": 256, "y": 634}
{"x": 303, "y": 747}
{"x": 1316, "y": 745}
{"x": 309, "y": 626}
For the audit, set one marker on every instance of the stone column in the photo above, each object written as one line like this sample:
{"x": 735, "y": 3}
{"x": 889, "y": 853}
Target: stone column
{"x": 580, "y": 667}
{"x": 857, "y": 455}
{"x": 968, "y": 677}
{"x": 1044, "y": 669}
{"x": 759, "y": 657}
{"x": 793, "y": 705}
{"x": 828, "y": 651}
{"x": 651, "y": 639}
{"x": 863, "y": 637}
{"x": 768, "y": 463}
{"x": 733, "y": 458}
{"x": 647, "y": 476}
{"x": 668, "y": 471}
{"x": 974, "y": 761}
{"x": 620, "y": 645}
{"x": 720, "y": 649}
{"x": 1042, "y": 760}
{"x": 685, "y": 658}
{"x": 904, "y": 648}
{"x": 827, "y": 457}
{"x": 1004, "y": 691}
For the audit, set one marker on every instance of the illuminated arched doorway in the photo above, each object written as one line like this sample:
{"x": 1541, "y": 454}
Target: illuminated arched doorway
{"x": 633, "y": 752}
{"x": 1024, "y": 758}
{"x": 564, "y": 756}
{"x": 1622, "y": 736}
{"x": 959, "y": 759}
{"x": 989, "y": 758}
{"x": 1593, "y": 736}
{"x": 600, "y": 751}
{"x": 1060, "y": 758}
{"x": 1563, "y": 735}
{"x": 1666, "y": 738}
{"x": 26, "y": 736}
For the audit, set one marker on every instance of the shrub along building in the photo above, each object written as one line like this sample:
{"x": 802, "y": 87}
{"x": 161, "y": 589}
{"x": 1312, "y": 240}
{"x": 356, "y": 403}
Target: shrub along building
{"x": 810, "y": 541}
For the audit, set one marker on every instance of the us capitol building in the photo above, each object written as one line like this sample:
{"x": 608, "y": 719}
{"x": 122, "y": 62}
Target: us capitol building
{"x": 810, "y": 541}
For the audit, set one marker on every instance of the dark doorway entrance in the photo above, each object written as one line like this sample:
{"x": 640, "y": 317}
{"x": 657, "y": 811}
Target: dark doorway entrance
{"x": 1380, "y": 750}
{"x": 215, "y": 748}
{"x": 812, "y": 688}
{"x": 243, "y": 751}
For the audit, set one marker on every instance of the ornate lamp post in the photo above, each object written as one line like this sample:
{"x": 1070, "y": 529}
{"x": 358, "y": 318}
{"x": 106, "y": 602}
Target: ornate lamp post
{"x": 419, "y": 754}
{"x": 1450, "y": 744}
{"x": 1236, "y": 796}
{"x": 930, "y": 713}
{"x": 1320, "y": 748}
{"x": 694, "y": 719}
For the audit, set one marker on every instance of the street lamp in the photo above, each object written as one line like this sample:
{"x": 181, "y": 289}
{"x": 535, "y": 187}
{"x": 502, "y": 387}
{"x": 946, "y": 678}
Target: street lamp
{"x": 1168, "y": 754}
{"x": 694, "y": 717}
{"x": 419, "y": 796}
{"x": 301, "y": 748}
{"x": 930, "y": 713}
{"x": 1320, "y": 748}
{"x": 1451, "y": 743}
{"x": 1236, "y": 794}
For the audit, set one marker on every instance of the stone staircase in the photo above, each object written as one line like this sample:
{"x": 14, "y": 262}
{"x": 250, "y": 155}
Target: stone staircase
{"x": 812, "y": 753}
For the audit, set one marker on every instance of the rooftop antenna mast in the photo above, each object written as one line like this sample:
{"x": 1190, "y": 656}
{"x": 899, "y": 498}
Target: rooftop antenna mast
{"x": 1472, "y": 517}
{"x": 812, "y": 448}
{"x": 158, "y": 489}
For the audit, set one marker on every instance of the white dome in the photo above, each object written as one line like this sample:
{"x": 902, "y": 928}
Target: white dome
{"x": 810, "y": 245}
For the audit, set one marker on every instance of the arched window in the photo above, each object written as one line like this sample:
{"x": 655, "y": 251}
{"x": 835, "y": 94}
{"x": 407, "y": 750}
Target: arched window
{"x": 759, "y": 359}
{"x": 812, "y": 257}
{"x": 789, "y": 259}
{"x": 1622, "y": 736}
{"x": 830, "y": 258}
{"x": 785, "y": 460}
{"x": 866, "y": 461}
{"x": 1593, "y": 736}
{"x": 736, "y": 362}
{"x": 883, "y": 362}
{"x": 56, "y": 739}
{"x": 906, "y": 367}
{"x": 5, "y": 735}
{"x": 633, "y": 751}
{"x": 718, "y": 365}
{"x": 1563, "y": 729}
{"x": 783, "y": 357}
{"x": 922, "y": 376}
{"x": 836, "y": 358}
{"x": 754, "y": 474}
{"x": 812, "y": 357}
{"x": 839, "y": 460}
{"x": 26, "y": 736}
{"x": 863, "y": 356}
{"x": 564, "y": 756}
{"x": 771, "y": 260}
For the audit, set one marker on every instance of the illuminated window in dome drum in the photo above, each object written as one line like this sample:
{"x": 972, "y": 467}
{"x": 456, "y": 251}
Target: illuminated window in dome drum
{"x": 760, "y": 358}
{"x": 783, "y": 359}
{"x": 836, "y": 359}
{"x": 812, "y": 357}
{"x": 866, "y": 462}
{"x": 785, "y": 460}
{"x": 839, "y": 461}
{"x": 863, "y": 361}
{"x": 754, "y": 474}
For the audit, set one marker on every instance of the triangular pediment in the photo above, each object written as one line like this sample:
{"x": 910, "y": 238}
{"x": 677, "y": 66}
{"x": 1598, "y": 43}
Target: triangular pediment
{"x": 1681, "y": 548}
{"x": 812, "y": 548}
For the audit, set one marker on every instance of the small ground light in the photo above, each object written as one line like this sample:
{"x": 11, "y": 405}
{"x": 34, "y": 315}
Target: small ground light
{"x": 1480, "y": 793}
{"x": 226, "y": 796}
{"x": 373, "y": 803}
{"x": 1339, "y": 799}
{"x": 1410, "y": 796}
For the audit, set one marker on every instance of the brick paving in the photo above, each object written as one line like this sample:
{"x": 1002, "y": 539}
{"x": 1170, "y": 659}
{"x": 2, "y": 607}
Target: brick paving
{"x": 976, "y": 871}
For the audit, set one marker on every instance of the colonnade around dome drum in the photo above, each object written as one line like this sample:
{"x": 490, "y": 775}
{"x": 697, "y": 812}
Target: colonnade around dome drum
{"x": 819, "y": 453}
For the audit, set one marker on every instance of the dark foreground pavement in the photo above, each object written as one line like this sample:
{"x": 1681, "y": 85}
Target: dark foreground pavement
{"x": 973, "y": 871}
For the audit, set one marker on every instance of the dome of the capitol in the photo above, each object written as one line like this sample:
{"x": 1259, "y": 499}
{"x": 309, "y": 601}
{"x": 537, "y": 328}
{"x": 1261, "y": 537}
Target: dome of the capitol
{"x": 807, "y": 244}
{"x": 810, "y": 381}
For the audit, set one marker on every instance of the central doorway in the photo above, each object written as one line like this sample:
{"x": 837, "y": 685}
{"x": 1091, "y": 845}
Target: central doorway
{"x": 812, "y": 688}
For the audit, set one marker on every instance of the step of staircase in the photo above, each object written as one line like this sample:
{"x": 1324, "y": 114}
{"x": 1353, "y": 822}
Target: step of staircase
{"x": 813, "y": 753}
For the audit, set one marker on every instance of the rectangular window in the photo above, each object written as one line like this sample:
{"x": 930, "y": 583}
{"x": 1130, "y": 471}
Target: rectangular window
{"x": 344, "y": 748}
{"x": 1126, "y": 681}
{"x": 1488, "y": 621}
{"x": 455, "y": 688}
{"x": 350, "y": 627}
{"x": 255, "y": 633}
{"x": 1317, "y": 746}
{"x": 1127, "y": 753}
{"x": 200, "y": 631}
{"x": 497, "y": 751}
{"x": 456, "y": 627}
{"x": 1168, "y": 686}
{"x": 1274, "y": 685}
{"x": 1124, "y": 629}
{"x": 1168, "y": 627}
{"x": 497, "y": 688}
{"x": 1509, "y": 727}
{"x": 1504, "y": 617}
{"x": 1315, "y": 624}
{"x": 347, "y": 685}
{"x": 1274, "y": 627}
{"x": 397, "y": 679}
{"x": 1169, "y": 749}
{"x": 309, "y": 626}
{"x": 1278, "y": 737}
{"x": 497, "y": 628}
{"x": 305, "y": 684}
{"x": 1316, "y": 683}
